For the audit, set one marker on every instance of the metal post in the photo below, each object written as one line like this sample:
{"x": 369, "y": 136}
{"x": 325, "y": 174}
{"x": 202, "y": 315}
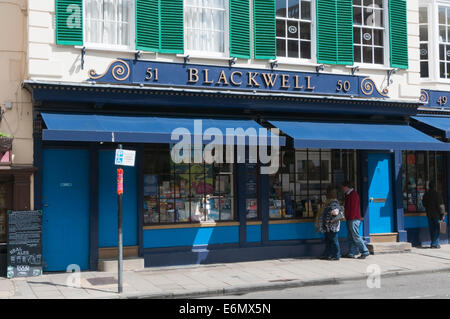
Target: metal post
{"x": 120, "y": 239}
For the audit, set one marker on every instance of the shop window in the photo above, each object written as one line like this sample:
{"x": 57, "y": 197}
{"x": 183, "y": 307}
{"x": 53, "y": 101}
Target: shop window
{"x": 109, "y": 22}
{"x": 424, "y": 45}
{"x": 186, "y": 193}
{"x": 368, "y": 31}
{"x": 294, "y": 29}
{"x": 419, "y": 170}
{"x": 205, "y": 25}
{"x": 298, "y": 190}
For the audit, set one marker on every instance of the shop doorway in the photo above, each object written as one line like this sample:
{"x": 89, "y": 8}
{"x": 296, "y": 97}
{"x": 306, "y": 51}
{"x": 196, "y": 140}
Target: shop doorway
{"x": 65, "y": 201}
{"x": 381, "y": 205}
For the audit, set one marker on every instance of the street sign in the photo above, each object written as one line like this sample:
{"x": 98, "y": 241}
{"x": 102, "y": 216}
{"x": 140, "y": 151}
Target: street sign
{"x": 125, "y": 157}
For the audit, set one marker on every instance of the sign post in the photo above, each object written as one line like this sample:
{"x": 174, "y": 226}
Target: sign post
{"x": 126, "y": 158}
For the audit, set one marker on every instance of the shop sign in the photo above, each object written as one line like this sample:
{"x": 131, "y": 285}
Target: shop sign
{"x": 219, "y": 78}
{"x": 125, "y": 157}
{"x": 439, "y": 99}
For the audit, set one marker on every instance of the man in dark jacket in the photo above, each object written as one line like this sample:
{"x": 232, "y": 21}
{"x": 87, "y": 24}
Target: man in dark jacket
{"x": 433, "y": 203}
{"x": 353, "y": 218}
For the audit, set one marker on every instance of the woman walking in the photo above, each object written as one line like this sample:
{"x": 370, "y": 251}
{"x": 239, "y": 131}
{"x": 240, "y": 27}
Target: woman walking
{"x": 329, "y": 224}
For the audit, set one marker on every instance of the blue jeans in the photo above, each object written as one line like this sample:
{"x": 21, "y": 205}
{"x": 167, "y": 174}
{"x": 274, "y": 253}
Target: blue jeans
{"x": 433, "y": 225}
{"x": 332, "y": 248}
{"x": 356, "y": 244}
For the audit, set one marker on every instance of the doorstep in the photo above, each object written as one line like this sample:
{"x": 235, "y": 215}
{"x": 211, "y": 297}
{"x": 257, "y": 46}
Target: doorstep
{"x": 129, "y": 264}
{"x": 389, "y": 248}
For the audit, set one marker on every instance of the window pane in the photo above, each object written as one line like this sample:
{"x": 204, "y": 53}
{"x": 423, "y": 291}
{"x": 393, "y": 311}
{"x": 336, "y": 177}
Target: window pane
{"x": 292, "y": 28}
{"x": 281, "y": 8}
{"x": 357, "y": 15}
{"x": 442, "y": 34}
{"x": 367, "y": 3}
{"x": 305, "y": 30}
{"x": 368, "y": 18}
{"x": 305, "y": 50}
{"x": 367, "y": 36}
{"x": 424, "y": 51}
{"x": 293, "y": 9}
{"x": 442, "y": 70}
{"x": 357, "y": 35}
{"x": 367, "y": 55}
{"x": 379, "y": 55}
{"x": 378, "y": 18}
{"x": 441, "y": 52}
{"x": 306, "y": 10}
{"x": 441, "y": 15}
{"x": 423, "y": 15}
{"x": 423, "y": 29}
{"x": 357, "y": 53}
{"x": 281, "y": 47}
{"x": 447, "y": 52}
{"x": 293, "y": 48}
{"x": 281, "y": 28}
{"x": 378, "y": 37}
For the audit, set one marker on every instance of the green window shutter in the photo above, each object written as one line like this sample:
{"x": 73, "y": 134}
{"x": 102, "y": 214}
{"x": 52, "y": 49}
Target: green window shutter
{"x": 345, "y": 49}
{"x": 172, "y": 26}
{"x": 240, "y": 29}
{"x": 326, "y": 20}
{"x": 335, "y": 31}
{"x": 147, "y": 25}
{"x": 398, "y": 34}
{"x": 69, "y": 22}
{"x": 264, "y": 29}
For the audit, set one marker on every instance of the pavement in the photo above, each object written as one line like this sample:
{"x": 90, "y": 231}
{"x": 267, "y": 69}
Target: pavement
{"x": 223, "y": 279}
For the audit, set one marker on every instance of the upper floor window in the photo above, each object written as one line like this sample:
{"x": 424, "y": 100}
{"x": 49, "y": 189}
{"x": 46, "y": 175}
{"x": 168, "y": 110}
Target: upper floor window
{"x": 109, "y": 22}
{"x": 368, "y": 31}
{"x": 424, "y": 45}
{"x": 205, "y": 26}
{"x": 444, "y": 42}
{"x": 294, "y": 28}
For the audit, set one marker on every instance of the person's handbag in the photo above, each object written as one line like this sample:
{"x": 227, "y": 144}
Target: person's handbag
{"x": 443, "y": 227}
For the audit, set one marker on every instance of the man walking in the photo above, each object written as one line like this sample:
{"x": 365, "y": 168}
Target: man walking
{"x": 432, "y": 201}
{"x": 353, "y": 218}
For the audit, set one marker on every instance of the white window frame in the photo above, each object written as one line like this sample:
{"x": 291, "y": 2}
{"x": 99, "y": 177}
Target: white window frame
{"x": 433, "y": 36}
{"x": 112, "y": 47}
{"x": 386, "y": 47}
{"x": 207, "y": 54}
{"x": 431, "y": 42}
{"x": 296, "y": 61}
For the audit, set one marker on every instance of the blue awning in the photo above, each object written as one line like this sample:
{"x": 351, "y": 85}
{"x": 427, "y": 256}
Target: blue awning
{"x": 141, "y": 129}
{"x": 434, "y": 125}
{"x": 358, "y": 136}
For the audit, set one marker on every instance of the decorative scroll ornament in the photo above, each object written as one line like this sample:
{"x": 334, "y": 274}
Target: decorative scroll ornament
{"x": 368, "y": 87}
{"x": 120, "y": 71}
{"x": 424, "y": 96}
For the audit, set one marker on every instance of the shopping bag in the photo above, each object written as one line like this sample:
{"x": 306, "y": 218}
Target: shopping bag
{"x": 443, "y": 227}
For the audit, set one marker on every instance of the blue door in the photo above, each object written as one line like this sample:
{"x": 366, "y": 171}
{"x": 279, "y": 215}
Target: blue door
{"x": 381, "y": 206}
{"x": 65, "y": 199}
{"x": 107, "y": 202}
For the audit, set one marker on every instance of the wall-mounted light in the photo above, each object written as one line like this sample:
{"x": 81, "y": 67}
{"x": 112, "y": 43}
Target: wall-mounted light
{"x": 320, "y": 68}
{"x": 232, "y": 61}
{"x": 187, "y": 58}
{"x": 83, "y": 53}
{"x": 138, "y": 55}
{"x": 389, "y": 75}
{"x": 355, "y": 69}
{"x": 273, "y": 64}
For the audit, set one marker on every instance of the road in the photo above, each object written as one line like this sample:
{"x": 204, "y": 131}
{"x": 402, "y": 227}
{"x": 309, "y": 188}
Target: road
{"x": 434, "y": 286}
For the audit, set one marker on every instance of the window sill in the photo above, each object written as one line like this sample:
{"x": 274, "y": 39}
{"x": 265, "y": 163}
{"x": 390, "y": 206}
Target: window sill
{"x": 203, "y": 57}
{"x": 109, "y": 49}
{"x": 370, "y": 67}
{"x": 196, "y": 225}
{"x": 295, "y": 62}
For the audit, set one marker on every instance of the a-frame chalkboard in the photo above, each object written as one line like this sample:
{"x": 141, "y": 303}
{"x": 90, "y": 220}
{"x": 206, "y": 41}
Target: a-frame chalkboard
{"x": 24, "y": 256}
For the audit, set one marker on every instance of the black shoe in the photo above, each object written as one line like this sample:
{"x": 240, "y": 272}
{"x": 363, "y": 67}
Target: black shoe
{"x": 363, "y": 256}
{"x": 349, "y": 256}
{"x": 324, "y": 257}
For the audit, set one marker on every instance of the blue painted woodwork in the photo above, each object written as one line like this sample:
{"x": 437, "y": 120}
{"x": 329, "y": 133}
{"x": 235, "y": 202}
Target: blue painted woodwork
{"x": 380, "y": 187}
{"x": 65, "y": 237}
{"x": 108, "y": 206}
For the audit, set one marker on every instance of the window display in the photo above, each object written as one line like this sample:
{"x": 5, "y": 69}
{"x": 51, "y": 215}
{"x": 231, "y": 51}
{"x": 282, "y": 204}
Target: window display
{"x": 298, "y": 190}
{"x": 184, "y": 193}
{"x": 419, "y": 170}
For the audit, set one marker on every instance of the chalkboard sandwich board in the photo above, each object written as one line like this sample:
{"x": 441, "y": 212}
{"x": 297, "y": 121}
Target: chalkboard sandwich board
{"x": 24, "y": 256}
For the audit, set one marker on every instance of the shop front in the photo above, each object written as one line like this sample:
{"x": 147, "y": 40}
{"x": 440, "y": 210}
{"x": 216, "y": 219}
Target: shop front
{"x": 190, "y": 212}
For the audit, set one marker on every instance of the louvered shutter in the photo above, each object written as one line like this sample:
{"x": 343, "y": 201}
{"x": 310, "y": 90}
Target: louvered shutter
{"x": 398, "y": 33}
{"x": 69, "y": 22}
{"x": 147, "y": 25}
{"x": 240, "y": 29}
{"x": 344, "y": 19}
{"x": 264, "y": 29}
{"x": 172, "y": 26}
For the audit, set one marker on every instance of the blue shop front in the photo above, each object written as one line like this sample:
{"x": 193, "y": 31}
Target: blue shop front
{"x": 331, "y": 128}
